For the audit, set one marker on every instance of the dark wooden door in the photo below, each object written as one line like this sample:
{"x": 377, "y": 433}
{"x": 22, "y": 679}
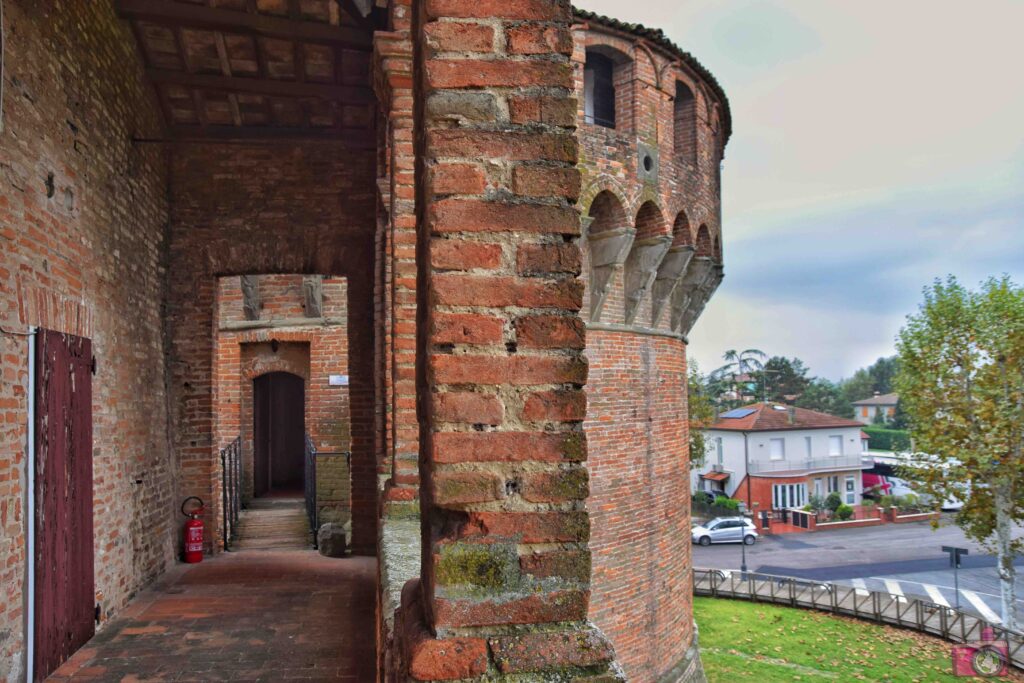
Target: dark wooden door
{"x": 279, "y": 446}
{"x": 64, "y": 584}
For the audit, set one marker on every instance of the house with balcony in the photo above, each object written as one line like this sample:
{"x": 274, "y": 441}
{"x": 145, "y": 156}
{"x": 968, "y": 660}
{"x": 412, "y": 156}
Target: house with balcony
{"x": 774, "y": 457}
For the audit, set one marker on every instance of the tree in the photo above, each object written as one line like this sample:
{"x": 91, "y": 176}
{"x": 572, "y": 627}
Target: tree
{"x": 730, "y": 390}
{"x": 783, "y": 379}
{"x": 702, "y": 415}
{"x": 961, "y": 385}
{"x": 877, "y": 377}
{"x": 824, "y": 396}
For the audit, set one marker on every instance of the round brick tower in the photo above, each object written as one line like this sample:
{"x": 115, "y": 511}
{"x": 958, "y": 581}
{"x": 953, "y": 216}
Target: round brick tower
{"x": 653, "y": 128}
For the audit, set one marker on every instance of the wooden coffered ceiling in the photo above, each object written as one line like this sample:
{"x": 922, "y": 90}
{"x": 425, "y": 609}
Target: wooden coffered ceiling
{"x": 258, "y": 69}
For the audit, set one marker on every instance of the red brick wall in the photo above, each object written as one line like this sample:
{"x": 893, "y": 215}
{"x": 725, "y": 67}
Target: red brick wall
{"x": 313, "y": 353}
{"x": 82, "y": 218}
{"x": 263, "y": 209}
{"x": 501, "y": 410}
{"x": 687, "y": 193}
{"x": 637, "y": 414}
{"x": 639, "y": 498}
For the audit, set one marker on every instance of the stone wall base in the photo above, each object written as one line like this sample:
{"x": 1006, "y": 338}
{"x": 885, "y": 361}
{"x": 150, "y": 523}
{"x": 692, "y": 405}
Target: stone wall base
{"x": 689, "y": 669}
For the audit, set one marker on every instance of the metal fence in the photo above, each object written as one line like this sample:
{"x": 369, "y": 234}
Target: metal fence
{"x": 231, "y": 489}
{"x": 884, "y": 608}
{"x": 794, "y": 464}
{"x": 312, "y": 505}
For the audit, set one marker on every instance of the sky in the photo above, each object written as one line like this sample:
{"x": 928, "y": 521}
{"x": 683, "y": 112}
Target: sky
{"x": 876, "y": 146}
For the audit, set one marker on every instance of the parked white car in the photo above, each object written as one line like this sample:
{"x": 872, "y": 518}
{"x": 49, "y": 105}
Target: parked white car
{"x": 725, "y": 530}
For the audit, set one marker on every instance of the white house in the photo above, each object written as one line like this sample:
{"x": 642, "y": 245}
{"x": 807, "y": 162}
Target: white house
{"x": 883, "y": 404}
{"x": 775, "y": 456}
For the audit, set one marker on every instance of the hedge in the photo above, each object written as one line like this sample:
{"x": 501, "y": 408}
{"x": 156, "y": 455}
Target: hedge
{"x": 883, "y": 439}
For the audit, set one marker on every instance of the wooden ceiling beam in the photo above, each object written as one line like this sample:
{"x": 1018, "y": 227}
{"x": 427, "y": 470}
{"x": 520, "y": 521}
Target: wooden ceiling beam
{"x": 262, "y": 86}
{"x": 212, "y": 18}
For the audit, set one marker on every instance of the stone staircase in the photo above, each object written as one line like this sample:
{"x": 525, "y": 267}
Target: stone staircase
{"x": 274, "y": 524}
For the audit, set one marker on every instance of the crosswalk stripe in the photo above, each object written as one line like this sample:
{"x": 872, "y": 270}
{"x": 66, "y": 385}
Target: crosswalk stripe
{"x": 983, "y": 609}
{"x": 860, "y": 585}
{"x": 935, "y": 594}
{"x": 894, "y": 589}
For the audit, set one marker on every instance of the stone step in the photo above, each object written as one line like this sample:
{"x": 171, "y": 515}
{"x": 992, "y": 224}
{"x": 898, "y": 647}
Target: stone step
{"x": 274, "y": 524}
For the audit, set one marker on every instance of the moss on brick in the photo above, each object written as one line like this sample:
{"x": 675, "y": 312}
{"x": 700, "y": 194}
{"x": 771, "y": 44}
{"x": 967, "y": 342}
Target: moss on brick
{"x": 493, "y": 567}
{"x": 575, "y": 447}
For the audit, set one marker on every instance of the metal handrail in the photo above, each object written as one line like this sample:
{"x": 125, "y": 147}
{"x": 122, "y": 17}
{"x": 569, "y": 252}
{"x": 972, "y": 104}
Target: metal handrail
{"x": 830, "y": 462}
{"x": 231, "y": 494}
{"x": 898, "y": 610}
{"x": 312, "y": 508}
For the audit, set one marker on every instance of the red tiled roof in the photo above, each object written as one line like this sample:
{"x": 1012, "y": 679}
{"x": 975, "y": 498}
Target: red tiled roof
{"x": 769, "y": 417}
{"x": 880, "y": 400}
{"x": 715, "y": 476}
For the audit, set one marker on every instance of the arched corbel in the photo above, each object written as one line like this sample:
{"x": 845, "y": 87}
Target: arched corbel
{"x": 700, "y": 299}
{"x": 608, "y": 250}
{"x": 641, "y": 269}
{"x": 697, "y": 271}
{"x": 670, "y": 274}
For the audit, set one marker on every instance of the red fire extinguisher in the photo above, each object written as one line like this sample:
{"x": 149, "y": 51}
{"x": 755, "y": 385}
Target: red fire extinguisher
{"x": 193, "y": 531}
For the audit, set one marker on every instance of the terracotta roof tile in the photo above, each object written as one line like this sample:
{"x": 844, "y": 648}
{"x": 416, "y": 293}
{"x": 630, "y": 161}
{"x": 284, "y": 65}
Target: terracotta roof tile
{"x": 880, "y": 400}
{"x": 769, "y": 417}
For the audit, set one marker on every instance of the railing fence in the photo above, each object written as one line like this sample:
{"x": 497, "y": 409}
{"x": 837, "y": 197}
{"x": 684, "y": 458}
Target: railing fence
{"x": 312, "y": 505}
{"x": 905, "y": 611}
{"x": 231, "y": 489}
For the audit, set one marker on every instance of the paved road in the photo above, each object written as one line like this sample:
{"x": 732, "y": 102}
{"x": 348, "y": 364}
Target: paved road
{"x": 904, "y": 559}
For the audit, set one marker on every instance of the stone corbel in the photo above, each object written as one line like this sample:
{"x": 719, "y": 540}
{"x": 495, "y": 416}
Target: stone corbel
{"x": 698, "y": 302}
{"x": 641, "y": 268}
{"x": 608, "y": 250}
{"x": 670, "y": 273}
{"x": 313, "y": 295}
{"x": 251, "y": 296}
{"x": 696, "y": 273}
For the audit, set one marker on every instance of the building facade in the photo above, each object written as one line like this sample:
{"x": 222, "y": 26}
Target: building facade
{"x": 775, "y": 457}
{"x": 878, "y": 408}
{"x": 520, "y": 207}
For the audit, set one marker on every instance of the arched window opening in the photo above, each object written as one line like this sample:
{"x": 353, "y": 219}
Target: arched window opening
{"x": 607, "y": 212}
{"x": 681, "y": 236}
{"x": 649, "y": 222}
{"x": 608, "y": 241}
{"x": 685, "y": 129}
{"x": 599, "y": 90}
{"x": 704, "y": 244}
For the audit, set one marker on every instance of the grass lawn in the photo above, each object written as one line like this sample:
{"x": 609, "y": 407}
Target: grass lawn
{"x": 744, "y": 641}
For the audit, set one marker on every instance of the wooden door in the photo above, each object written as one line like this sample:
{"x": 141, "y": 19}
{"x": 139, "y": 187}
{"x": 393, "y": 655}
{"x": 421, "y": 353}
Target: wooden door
{"x": 279, "y": 448}
{"x": 64, "y": 580}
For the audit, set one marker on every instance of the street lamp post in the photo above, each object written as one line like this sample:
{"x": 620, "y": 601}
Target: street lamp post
{"x": 750, "y": 506}
{"x": 954, "y": 561}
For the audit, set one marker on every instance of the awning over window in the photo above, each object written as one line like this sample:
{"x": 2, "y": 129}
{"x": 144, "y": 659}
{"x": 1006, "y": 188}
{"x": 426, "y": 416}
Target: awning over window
{"x": 715, "y": 476}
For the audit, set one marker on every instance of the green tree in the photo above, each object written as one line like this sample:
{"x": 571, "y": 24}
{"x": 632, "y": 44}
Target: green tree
{"x": 961, "y": 385}
{"x": 702, "y": 415}
{"x": 735, "y": 379}
{"x": 783, "y": 379}
{"x": 877, "y": 377}
{"x": 826, "y": 397}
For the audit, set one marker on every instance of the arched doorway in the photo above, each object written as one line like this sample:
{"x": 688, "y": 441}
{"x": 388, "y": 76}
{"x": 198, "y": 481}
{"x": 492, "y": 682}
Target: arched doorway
{"x": 278, "y": 434}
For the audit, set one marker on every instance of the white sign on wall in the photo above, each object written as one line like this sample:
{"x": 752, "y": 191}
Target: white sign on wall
{"x": 338, "y": 380}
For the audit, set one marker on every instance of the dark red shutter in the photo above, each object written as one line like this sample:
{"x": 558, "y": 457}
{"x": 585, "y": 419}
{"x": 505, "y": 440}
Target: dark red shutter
{"x": 65, "y": 584}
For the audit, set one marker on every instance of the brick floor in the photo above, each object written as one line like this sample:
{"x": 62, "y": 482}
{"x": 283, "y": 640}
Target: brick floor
{"x": 244, "y": 616}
